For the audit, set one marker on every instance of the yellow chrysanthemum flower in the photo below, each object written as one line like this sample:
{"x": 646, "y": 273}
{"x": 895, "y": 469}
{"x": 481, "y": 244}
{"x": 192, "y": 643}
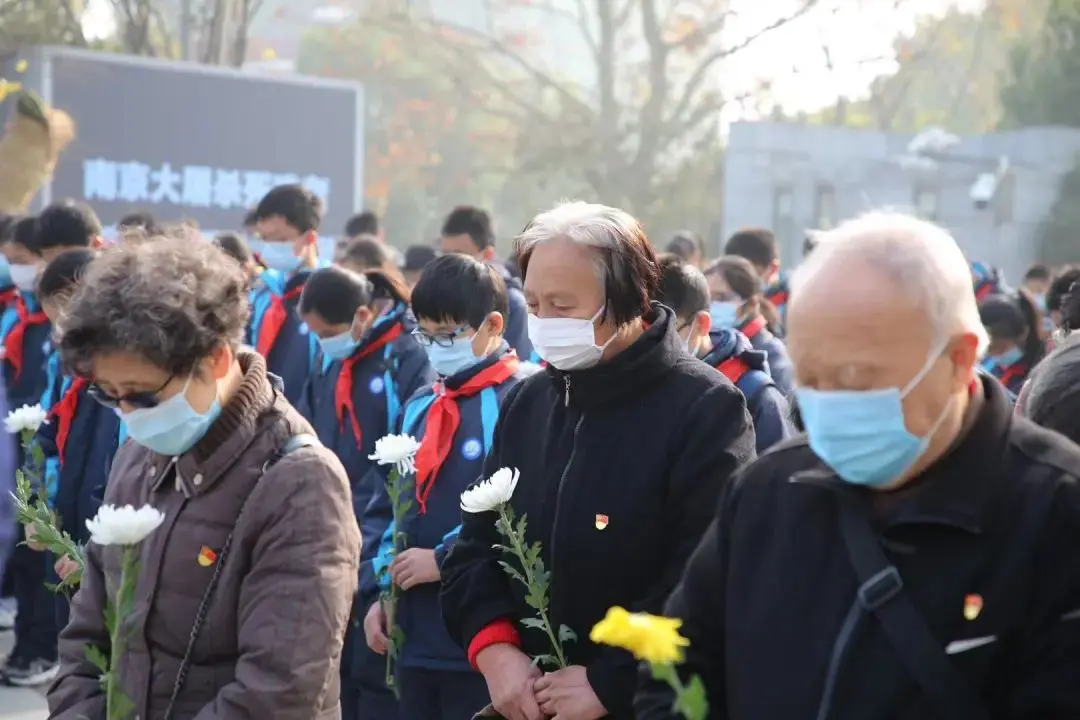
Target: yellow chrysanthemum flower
{"x": 651, "y": 638}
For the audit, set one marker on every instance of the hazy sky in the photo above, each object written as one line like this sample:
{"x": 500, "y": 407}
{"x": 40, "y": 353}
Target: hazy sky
{"x": 858, "y": 34}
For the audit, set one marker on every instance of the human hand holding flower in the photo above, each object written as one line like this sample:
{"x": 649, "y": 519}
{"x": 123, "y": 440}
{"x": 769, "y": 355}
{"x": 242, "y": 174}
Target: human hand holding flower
{"x": 567, "y": 695}
{"x": 415, "y": 566}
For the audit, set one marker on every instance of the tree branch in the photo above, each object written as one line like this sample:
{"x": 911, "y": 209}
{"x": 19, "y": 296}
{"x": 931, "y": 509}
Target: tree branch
{"x": 697, "y": 77}
{"x": 580, "y": 17}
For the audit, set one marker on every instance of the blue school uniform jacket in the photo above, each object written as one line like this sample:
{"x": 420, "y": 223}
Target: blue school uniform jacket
{"x": 427, "y": 644}
{"x": 749, "y": 370}
{"x": 780, "y": 367}
{"x": 381, "y": 384}
{"x": 75, "y": 475}
{"x": 26, "y": 380}
{"x": 291, "y": 355}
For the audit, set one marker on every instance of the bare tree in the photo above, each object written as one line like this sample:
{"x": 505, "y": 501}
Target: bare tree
{"x": 218, "y": 28}
{"x": 651, "y": 105}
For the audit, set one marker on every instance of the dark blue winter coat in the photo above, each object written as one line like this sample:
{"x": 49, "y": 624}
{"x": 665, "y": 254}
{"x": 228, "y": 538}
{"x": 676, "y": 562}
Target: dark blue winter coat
{"x": 292, "y": 356}
{"x": 76, "y": 482}
{"x": 382, "y": 383}
{"x": 780, "y": 367}
{"x": 427, "y": 644}
{"x": 764, "y": 400}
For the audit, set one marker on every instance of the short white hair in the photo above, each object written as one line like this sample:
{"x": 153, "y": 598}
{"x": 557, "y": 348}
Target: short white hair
{"x": 920, "y": 257}
{"x": 580, "y": 222}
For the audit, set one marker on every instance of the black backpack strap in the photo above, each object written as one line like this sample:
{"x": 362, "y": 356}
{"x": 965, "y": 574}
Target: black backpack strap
{"x": 294, "y": 443}
{"x": 881, "y": 593}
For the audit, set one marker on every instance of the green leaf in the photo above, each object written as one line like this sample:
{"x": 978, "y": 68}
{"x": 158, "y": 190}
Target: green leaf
{"x": 96, "y": 657}
{"x": 544, "y": 660}
{"x": 663, "y": 673}
{"x": 535, "y": 623}
{"x": 513, "y": 572}
{"x": 693, "y": 701}
{"x": 566, "y": 634}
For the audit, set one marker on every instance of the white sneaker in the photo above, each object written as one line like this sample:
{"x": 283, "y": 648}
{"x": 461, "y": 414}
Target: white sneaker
{"x": 31, "y": 674}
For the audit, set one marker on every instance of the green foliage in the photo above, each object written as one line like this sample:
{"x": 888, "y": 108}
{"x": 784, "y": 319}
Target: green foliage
{"x": 691, "y": 700}
{"x": 32, "y": 509}
{"x": 1043, "y": 85}
{"x": 41, "y": 22}
{"x": 537, "y": 581}
{"x": 399, "y": 488}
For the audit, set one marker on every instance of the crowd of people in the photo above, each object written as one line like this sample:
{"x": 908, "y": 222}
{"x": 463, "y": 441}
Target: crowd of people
{"x": 855, "y": 484}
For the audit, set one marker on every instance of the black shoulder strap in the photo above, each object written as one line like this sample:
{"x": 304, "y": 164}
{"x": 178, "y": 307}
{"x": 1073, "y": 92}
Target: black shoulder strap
{"x": 881, "y": 593}
{"x": 294, "y": 443}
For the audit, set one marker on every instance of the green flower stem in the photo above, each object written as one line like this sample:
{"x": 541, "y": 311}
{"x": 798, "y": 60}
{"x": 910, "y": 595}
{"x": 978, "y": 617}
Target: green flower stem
{"x": 517, "y": 545}
{"x": 686, "y": 704}
{"x": 115, "y": 703}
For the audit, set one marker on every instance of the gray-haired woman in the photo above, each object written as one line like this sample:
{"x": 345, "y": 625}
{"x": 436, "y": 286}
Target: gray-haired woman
{"x": 245, "y": 589}
{"x": 624, "y": 443}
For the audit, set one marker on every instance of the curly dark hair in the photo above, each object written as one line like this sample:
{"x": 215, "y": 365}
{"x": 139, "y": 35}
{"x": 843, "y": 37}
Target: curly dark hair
{"x": 171, "y": 301}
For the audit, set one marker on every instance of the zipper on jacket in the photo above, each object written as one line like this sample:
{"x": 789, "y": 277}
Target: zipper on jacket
{"x": 840, "y": 645}
{"x": 558, "y": 499}
{"x": 566, "y": 383}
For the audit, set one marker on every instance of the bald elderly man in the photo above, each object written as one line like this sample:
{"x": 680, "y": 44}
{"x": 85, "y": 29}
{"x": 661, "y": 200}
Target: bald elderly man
{"x": 916, "y": 555}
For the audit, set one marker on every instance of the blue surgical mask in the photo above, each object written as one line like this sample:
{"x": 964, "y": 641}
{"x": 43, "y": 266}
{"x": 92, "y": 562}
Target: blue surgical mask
{"x": 449, "y": 361}
{"x": 1004, "y": 360}
{"x": 172, "y": 427}
{"x": 724, "y": 315}
{"x": 279, "y": 256}
{"x": 340, "y": 346}
{"x": 861, "y": 435}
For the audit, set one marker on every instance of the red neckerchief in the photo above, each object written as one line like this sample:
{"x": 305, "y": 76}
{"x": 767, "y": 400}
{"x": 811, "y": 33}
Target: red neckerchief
{"x": 13, "y": 345}
{"x": 274, "y": 319}
{"x": 753, "y": 327}
{"x": 343, "y": 399}
{"x": 734, "y": 368}
{"x": 7, "y": 297}
{"x": 444, "y": 417}
{"x": 63, "y": 413}
{"x": 984, "y": 288}
{"x": 1012, "y": 372}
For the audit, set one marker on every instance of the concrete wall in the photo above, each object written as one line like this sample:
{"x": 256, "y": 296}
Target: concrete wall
{"x": 790, "y": 177}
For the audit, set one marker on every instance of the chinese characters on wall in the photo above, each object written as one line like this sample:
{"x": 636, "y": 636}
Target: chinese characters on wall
{"x": 194, "y": 186}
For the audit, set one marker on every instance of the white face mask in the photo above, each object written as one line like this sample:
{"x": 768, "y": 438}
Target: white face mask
{"x": 24, "y": 277}
{"x": 567, "y": 343}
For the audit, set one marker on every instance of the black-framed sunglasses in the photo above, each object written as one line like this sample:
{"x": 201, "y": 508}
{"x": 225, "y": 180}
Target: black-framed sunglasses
{"x": 139, "y": 400}
{"x": 441, "y": 339}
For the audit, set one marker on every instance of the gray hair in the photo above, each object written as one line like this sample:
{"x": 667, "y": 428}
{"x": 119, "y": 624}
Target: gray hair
{"x": 918, "y": 256}
{"x": 172, "y": 301}
{"x": 624, "y": 260}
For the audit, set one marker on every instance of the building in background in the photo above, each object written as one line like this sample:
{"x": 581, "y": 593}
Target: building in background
{"x": 991, "y": 191}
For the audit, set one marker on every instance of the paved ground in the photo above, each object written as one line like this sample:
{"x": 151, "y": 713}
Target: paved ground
{"x": 19, "y": 703}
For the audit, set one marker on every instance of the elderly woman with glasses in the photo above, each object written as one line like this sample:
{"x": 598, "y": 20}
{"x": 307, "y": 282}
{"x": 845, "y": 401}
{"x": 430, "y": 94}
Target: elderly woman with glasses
{"x": 244, "y": 590}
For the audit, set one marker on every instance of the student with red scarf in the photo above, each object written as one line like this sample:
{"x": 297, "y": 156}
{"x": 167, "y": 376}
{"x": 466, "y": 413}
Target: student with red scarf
{"x": 81, "y": 435}
{"x": 461, "y": 305}
{"x": 287, "y": 220}
{"x": 738, "y": 304}
{"x": 1016, "y": 342}
{"x": 369, "y": 365}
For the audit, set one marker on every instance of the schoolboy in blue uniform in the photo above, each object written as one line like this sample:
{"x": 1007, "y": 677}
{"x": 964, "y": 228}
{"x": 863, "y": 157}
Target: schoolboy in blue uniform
{"x": 685, "y": 290}
{"x": 461, "y": 305}
{"x": 369, "y": 365}
{"x": 81, "y": 435}
{"x": 25, "y": 333}
{"x": 287, "y": 220}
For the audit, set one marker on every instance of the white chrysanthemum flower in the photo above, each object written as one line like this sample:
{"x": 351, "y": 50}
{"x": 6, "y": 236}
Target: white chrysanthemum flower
{"x": 487, "y": 495}
{"x": 397, "y": 450}
{"x": 123, "y": 525}
{"x": 28, "y": 417}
